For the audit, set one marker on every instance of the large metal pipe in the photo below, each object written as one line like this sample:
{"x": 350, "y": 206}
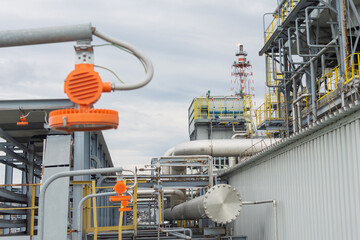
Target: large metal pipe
{"x": 223, "y": 147}
{"x": 57, "y": 34}
{"x": 222, "y": 204}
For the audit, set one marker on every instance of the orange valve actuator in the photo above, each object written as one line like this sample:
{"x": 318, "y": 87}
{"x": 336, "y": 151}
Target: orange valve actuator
{"x": 120, "y": 187}
{"x": 84, "y": 87}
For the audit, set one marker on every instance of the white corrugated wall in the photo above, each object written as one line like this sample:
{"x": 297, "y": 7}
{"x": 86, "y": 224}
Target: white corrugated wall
{"x": 315, "y": 182}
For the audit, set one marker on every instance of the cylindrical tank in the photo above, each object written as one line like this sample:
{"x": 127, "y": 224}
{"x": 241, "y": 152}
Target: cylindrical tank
{"x": 222, "y": 204}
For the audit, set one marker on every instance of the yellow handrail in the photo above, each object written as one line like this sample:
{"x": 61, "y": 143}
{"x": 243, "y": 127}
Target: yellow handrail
{"x": 329, "y": 82}
{"x": 270, "y": 109}
{"x": 284, "y": 11}
{"x": 90, "y": 188}
{"x": 217, "y": 108}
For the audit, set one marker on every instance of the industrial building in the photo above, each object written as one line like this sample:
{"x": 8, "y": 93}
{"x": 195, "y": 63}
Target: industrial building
{"x": 299, "y": 180}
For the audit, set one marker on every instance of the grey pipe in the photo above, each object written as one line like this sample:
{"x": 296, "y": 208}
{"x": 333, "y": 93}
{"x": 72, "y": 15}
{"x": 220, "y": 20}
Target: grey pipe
{"x": 273, "y": 64}
{"x": 79, "y": 220}
{"x": 102, "y": 179}
{"x": 175, "y": 232}
{"x": 222, "y": 204}
{"x": 97, "y": 160}
{"x": 321, "y": 52}
{"x": 34, "y": 36}
{"x": 299, "y": 115}
{"x": 51, "y": 179}
{"x": 313, "y": 86}
{"x": 307, "y": 21}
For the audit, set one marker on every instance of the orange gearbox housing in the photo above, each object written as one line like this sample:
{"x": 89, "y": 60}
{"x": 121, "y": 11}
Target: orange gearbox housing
{"x": 84, "y": 87}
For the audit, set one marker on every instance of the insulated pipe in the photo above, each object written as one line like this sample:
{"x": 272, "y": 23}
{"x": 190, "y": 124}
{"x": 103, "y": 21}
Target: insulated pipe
{"x": 299, "y": 115}
{"x": 34, "y": 36}
{"x": 222, "y": 204}
{"x": 223, "y": 147}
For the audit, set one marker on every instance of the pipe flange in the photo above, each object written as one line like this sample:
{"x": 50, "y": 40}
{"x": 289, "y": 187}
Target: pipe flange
{"x": 223, "y": 203}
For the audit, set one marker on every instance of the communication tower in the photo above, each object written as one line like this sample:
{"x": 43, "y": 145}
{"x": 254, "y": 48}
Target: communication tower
{"x": 242, "y": 85}
{"x": 242, "y": 81}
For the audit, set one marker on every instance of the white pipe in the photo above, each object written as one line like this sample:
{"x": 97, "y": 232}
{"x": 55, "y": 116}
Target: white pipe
{"x": 244, "y": 134}
{"x": 232, "y": 161}
{"x": 223, "y": 147}
{"x": 166, "y": 169}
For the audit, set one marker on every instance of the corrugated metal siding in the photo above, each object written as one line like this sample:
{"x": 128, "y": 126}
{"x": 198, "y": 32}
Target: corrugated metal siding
{"x": 316, "y": 183}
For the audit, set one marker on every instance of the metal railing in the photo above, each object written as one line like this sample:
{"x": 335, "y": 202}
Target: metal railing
{"x": 271, "y": 71}
{"x": 279, "y": 17}
{"x": 32, "y": 207}
{"x": 89, "y": 214}
{"x": 271, "y": 109}
{"x": 216, "y": 108}
{"x": 329, "y": 82}
{"x": 352, "y": 67}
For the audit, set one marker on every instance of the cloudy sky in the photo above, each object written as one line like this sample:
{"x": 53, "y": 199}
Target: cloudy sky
{"x": 191, "y": 43}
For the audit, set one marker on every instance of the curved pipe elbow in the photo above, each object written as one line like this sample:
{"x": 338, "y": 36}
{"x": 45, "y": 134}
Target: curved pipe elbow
{"x": 149, "y": 69}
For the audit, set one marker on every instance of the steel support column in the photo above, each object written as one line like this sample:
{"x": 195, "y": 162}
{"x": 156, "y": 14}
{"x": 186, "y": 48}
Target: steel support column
{"x": 81, "y": 161}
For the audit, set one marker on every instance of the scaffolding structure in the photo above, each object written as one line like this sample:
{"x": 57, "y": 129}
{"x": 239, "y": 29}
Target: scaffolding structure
{"x": 312, "y": 62}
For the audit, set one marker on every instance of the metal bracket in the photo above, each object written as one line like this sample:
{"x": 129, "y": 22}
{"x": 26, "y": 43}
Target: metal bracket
{"x": 84, "y": 52}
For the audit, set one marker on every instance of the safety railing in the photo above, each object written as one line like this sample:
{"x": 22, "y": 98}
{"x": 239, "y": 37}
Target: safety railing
{"x": 89, "y": 221}
{"x": 329, "y": 82}
{"x": 270, "y": 110}
{"x": 33, "y": 204}
{"x": 218, "y": 108}
{"x": 279, "y": 17}
{"x": 271, "y": 71}
{"x": 352, "y": 67}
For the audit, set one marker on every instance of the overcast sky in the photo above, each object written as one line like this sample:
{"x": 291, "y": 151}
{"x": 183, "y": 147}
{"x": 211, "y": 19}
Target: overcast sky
{"x": 191, "y": 43}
